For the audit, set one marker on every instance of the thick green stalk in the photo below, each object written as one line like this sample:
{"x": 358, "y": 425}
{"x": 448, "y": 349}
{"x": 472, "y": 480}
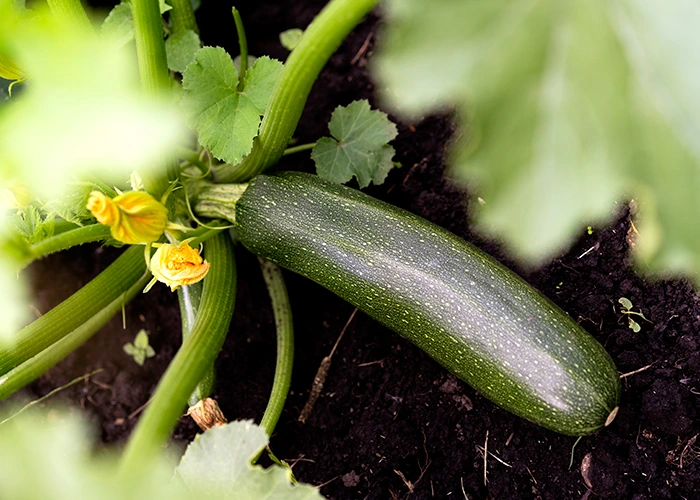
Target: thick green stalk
{"x": 192, "y": 360}
{"x": 70, "y": 238}
{"x": 182, "y": 16}
{"x": 285, "y": 344}
{"x": 36, "y": 366}
{"x": 74, "y": 311}
{"x": 320, "y": 40}
{"x": 190, "y": 297}
{"x": 70, "y": 12}
{"x": 155, "y": 78}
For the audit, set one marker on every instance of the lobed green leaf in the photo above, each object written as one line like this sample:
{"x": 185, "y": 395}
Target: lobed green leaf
{"x": 227, "y": 117}
{"x": 358, "y": 147}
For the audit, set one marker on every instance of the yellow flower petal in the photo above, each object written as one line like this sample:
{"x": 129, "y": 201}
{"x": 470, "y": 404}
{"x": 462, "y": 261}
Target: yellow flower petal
{"x": 133, "y": 217}
{"x": 103, "y": 208}
{"x": 178, "y": 265}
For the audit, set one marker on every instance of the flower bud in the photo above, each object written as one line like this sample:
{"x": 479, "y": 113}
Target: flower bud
{"x": 133, "y": 217}
{"x": 178, "y": 265}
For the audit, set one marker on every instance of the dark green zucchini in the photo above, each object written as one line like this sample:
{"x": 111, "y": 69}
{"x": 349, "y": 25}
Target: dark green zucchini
{"x": 470, "y": 313}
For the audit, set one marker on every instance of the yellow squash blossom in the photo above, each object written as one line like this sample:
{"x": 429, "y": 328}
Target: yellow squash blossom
{"x": 133, "y": 217}
{"x": 178, "y": 265}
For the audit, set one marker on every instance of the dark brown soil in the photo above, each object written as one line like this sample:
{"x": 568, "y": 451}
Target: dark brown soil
{"x": 390, "y": 422}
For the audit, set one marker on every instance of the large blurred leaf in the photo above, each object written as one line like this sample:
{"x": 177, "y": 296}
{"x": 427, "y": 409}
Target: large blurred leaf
{"x": 49, "y": 457}
{"x": 217, "y": 464}
{"x": 81, "y": 110}
{"x": 565, "y": 107}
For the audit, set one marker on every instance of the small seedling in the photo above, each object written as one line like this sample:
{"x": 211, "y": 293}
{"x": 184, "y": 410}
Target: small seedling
{"x": 140, "y": 350}
{"x": 627, "y": 309}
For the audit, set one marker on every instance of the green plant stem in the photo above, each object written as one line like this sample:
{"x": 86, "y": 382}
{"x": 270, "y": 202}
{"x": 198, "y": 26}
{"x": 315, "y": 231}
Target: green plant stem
{"x": 285, "y": 344}
{"x": 192, "y": 360}
{"x": 192, "y": 157}
{"x": 189, "y": 298}
{"x": 298, "y": 149}
{"x": 242, "y": 45}
{"x": 75, "y": 310}
{"x": 70, "y": 238}
{"x": 71, "y": 12}
{"x": 182, "y": 16}
{"x": 155, "y": 79}
{"x": 39, "y": 364}
{"x": 320, "y": 40}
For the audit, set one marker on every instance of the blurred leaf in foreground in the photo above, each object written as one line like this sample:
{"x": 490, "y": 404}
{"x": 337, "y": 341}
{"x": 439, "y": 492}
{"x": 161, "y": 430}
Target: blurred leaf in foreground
{"x": 565, "y": 107}
{"x": 48, "y": 455}
{"x": 217, "y": 464}
{"x": 80, "y": 110}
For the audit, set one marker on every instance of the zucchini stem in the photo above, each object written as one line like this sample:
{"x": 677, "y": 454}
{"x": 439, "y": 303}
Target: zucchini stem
{"x": 285, "y": 344}
{"x": 190, "y": 298}
{"x": 70, "y": 238}
{"x": 198, "y": 352}
{"x": 36, "y": 366}
{"x": 107, "y": 287}
{"x": 243, "y": 47}
{"x": 182, "y": 17}
{"x": 72, "y": 13}
{"x": 155, "y": 79}
{"x": 320, "y": 40}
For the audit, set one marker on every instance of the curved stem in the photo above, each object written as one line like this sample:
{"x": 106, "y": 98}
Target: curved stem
{"x": 75, "y": 310}
{"x": 155, "y": 78}
{"x": 192, "y": 360}
{"x": 299, "y": 148}
{"x": 182, "y": 16}
{"x": 71, "y": 12}
{"x": 285, "y": 344}
{"x": 70, "y": 238}
{"x": 242, "y": 45}
{"x": 189, "y": 298}
{"x": 320, "y": 40}
{"x": 37, "y": 365}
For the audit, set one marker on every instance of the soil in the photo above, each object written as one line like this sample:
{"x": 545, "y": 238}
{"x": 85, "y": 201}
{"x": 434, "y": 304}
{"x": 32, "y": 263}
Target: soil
{"x": 390, "y": 422}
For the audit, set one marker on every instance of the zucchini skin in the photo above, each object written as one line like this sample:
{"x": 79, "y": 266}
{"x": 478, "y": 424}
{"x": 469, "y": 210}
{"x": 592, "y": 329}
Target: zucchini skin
{"x": 471, "y": 314}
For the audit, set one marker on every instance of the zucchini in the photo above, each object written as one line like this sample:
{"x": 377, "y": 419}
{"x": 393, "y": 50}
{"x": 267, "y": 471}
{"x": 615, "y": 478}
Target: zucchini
{"x": 470, "y": 313}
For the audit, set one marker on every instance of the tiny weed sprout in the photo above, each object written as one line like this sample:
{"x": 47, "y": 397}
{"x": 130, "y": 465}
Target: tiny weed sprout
{"x": 128, "y": 131}
{"x": 140, "y": 349}
{"x": 626, "y": 309}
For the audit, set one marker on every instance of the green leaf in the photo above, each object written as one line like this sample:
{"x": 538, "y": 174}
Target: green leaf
{"x": 290, "y": 38}
{"x": 227, "y": 118}
{"x": 217, "y": 465}
{"x": 72, "y": 205}
{"x": 50, "y": 456}
{"x": 32, "y": 225}
{"x": 634, "y": 326}
{"x": 119, "y": 24}
{"x": 565, "y": 108}
{"x": 180, "y": 48}
{"x": 164, "y": 7}
{"x": 626, "y": 303}
{"x": 140, "y": 350}
{"x": 359, "y": 146}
